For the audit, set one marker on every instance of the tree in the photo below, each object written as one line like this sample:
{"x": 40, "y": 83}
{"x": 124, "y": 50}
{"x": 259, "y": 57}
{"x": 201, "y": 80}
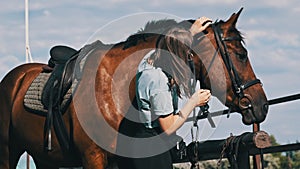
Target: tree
{"x": 296, "y": 159}
{"x": 274, "y": 143}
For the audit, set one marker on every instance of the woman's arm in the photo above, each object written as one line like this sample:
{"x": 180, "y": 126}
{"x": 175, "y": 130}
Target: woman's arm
{"x": 169, "y": 124}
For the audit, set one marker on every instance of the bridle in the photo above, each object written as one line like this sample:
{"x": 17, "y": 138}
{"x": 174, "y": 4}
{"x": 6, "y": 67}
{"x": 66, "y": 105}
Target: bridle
{"x": 238, "y": 86}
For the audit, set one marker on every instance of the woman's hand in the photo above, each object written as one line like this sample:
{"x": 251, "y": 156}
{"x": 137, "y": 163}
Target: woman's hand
{"x": 169, "y": 124}
{"x": 200, "y": 97}
{"x": 198, "y": 25}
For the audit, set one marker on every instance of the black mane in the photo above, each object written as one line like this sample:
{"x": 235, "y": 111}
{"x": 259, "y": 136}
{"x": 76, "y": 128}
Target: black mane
{"x": 151, "y": 28}
{"x": 159, "y": 27}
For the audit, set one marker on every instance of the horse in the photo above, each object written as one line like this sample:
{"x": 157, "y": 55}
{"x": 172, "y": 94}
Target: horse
{"x": 104, "y": 80}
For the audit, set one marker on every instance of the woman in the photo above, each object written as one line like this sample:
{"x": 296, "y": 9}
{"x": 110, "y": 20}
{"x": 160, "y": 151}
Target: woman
{"x": 161, "y": 78}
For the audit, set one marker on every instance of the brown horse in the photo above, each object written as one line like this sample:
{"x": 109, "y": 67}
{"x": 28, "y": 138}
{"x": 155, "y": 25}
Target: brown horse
{"x": 105, "y": 93}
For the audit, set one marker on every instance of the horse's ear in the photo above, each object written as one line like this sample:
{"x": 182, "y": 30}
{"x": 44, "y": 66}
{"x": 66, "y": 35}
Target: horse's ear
{"x": 234, "y": 17}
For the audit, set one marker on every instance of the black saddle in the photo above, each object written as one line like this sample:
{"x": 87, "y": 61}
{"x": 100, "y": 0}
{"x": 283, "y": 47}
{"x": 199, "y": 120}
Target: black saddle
{"x": 61, "y": 65}
{"x": 60, "y": 55}
{"x": 62, "y": 62}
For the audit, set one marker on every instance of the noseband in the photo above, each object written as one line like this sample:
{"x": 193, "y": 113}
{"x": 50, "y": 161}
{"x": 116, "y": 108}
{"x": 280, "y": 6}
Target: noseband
{"x": 238, "y": 86}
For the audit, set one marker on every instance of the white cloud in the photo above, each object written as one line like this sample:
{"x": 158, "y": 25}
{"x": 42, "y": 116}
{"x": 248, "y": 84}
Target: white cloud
{"x": 7, "y": 63}
{"x": 283, "y": 38}
{"x": 288, "y": 4}
{"x": 278, "y": 47}
{"x": 296, "y": 10}
{"x": 279, "y": 3}
{"x": 46, "y": 12}
{"x": 11, "y": 6}
{"x": 206, "y": 2}
{"x": 9, "y": 59}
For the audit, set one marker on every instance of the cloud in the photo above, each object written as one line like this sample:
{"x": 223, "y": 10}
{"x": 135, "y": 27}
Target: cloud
{"x": 275, "y": 49}
{"x": 279, "y": 3}
{"x": 11, "y": 6}
{"x": 7, "y": 63}
{"x": 284, "y": 39}
{"x": 207, "y": 2}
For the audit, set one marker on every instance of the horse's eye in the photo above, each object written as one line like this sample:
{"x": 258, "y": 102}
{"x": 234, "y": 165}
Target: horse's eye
{"x": 242, "y": 56}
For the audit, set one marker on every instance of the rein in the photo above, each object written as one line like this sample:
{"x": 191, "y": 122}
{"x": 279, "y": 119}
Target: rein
{"x": 192, "y": 86}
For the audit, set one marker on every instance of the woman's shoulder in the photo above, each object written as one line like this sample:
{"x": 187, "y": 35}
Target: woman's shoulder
{"x": 153, "y": 80}
{"x": 156, "y": 73}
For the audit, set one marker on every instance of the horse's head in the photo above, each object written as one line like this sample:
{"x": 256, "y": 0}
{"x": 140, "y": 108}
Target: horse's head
{"x": 229, "y": 59}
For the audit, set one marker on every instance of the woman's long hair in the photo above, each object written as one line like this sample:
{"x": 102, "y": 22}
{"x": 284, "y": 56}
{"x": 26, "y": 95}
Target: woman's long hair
{"x": 173, "y": 50}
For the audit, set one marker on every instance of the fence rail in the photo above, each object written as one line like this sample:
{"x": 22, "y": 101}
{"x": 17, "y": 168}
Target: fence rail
{"x": 254, "y": 151}
{"x": 271, "y": 102}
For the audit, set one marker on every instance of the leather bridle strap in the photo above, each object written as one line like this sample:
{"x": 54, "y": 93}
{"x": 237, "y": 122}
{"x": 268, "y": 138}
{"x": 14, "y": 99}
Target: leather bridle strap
{"x": 237, "y": 85}
{"x": 192, "y": 86}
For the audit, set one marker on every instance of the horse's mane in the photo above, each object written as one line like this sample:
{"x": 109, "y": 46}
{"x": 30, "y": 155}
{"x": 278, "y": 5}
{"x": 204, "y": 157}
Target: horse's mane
{"x": 159, "y": 27}
{"x": 151, "y": 28}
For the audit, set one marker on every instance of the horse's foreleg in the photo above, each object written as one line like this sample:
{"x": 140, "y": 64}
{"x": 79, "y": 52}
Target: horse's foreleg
{"x": 4, "y": 147}
{"x": 10, "y": 154}
{"x": 14, "y": 155}
{"x": 4, "y": 154}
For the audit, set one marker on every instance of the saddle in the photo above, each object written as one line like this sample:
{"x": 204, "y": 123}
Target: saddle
{"x": 50, "y": 93}
{"x": 61, "y": 65}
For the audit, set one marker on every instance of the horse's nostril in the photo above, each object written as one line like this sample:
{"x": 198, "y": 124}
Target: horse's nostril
{"x": 266, "y": 108}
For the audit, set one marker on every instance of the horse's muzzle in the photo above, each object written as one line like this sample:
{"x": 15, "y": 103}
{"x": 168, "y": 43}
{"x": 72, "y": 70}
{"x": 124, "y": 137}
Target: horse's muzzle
{"x": 255, "y": 114}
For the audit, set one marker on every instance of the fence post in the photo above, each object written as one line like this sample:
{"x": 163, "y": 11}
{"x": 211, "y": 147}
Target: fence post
{"x": 256, "y": 158}
{"x": 27, "y": 161}
{"x": 243, "y": 160}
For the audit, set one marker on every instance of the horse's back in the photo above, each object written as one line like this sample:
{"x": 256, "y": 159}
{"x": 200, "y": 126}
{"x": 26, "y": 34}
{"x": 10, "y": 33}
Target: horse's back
{"x": 20, "y": 71}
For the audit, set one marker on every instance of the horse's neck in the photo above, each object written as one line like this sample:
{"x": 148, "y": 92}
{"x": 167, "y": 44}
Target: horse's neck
{"x": 116, "y": 76}
{"x": 212, "y": 68}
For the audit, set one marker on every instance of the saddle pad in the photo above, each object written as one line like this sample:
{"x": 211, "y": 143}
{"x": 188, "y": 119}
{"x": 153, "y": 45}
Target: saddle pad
{"x": 33, "y": 96}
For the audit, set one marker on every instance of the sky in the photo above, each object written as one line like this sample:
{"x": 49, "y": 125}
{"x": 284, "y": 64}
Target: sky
{"x": 270, "y": 28}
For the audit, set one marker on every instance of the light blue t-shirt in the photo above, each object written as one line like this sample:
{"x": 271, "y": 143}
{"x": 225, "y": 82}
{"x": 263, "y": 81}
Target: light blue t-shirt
{"x": 153, "y": 94}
